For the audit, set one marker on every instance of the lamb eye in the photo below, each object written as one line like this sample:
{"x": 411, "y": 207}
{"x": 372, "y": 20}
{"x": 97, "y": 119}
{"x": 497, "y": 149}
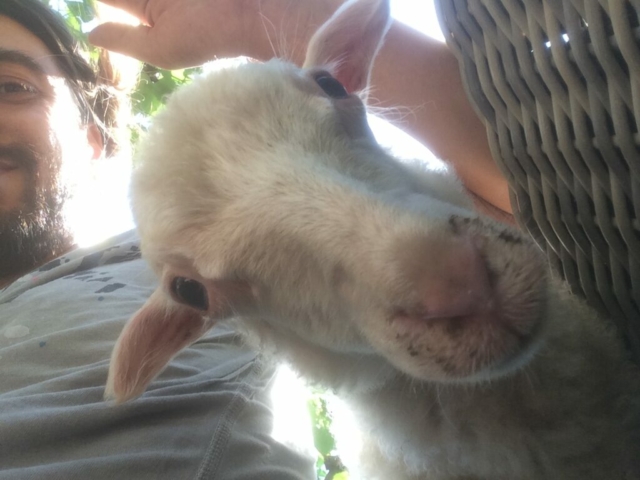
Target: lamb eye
{"x": 330, "y": 85}
{"x": 190, "y": 292}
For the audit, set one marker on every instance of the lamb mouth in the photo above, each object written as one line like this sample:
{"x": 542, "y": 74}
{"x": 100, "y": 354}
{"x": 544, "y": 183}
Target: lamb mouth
{"x": 516, "y": 349}
{"x": 530, "y": 345}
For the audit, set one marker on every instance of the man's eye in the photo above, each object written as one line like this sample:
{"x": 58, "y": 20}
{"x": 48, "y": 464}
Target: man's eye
{"x": 16, "y": 89}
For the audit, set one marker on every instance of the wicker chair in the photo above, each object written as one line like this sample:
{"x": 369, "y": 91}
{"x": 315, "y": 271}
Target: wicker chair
{"x": 558, "y": 85}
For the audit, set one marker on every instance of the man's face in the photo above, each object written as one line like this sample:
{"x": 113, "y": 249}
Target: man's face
{"x": 43, "y": 149}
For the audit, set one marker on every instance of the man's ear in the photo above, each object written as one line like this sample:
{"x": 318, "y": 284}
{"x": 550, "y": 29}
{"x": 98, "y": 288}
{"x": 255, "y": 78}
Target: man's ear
{"x": 95, "y": 141}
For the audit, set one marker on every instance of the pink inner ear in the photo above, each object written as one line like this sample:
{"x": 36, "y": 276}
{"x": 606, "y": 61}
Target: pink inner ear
{"x": 348, "y": 42}
{"x": 157, "y": 332}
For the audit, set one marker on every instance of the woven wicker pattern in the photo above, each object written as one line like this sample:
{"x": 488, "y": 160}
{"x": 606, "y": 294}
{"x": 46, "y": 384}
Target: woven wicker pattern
{"x": 558, "y": 82}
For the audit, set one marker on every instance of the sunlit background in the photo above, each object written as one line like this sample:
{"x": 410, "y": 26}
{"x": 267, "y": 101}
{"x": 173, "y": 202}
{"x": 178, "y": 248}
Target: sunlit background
{"x": 103, "y": 211}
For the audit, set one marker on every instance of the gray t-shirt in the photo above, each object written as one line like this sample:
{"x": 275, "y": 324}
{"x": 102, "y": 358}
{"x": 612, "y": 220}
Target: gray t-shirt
{"x": 205, "y": 417}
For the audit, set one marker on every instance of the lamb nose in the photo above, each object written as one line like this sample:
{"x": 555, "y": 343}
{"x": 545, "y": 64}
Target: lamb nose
{"x": 458, "y": 285}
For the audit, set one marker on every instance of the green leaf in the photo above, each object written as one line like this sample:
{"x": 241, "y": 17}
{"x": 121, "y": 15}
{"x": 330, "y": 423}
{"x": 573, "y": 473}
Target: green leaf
{"x": 321, "y": 422}
{"x": 341, "y": 476}
{"x": 321, "y": 470}
{"x": 83, "y": 11}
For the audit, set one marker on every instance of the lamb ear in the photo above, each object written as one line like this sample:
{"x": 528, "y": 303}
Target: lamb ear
{"x": 348, "y": 42}
{"x": 157, "y": 332}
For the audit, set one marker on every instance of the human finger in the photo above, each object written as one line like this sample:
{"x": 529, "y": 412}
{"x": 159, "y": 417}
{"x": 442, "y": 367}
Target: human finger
{"x": 137, "y": 8}
{"x": 126, "y": 39}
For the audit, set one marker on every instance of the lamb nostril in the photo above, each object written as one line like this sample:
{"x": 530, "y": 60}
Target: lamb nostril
{"x": 454, "y": 283}
{"x": 458, "y": 223}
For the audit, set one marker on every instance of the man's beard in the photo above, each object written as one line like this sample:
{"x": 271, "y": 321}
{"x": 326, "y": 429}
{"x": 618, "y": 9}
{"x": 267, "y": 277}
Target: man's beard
{"x": 37, "y": 232}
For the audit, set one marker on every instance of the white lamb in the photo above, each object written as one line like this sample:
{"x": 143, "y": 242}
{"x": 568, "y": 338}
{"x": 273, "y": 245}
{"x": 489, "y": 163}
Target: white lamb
{"x": 263, "y": 196}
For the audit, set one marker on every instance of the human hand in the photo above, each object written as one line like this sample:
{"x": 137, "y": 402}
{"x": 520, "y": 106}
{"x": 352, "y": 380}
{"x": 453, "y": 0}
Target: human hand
{"x": 185, "y": 33}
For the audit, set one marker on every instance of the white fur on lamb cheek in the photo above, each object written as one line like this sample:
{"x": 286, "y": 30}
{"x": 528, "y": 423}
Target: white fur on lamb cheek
{"x": 243, "y": 236}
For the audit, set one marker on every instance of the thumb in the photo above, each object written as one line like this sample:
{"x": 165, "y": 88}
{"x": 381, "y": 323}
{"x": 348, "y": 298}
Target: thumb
{"x": 126, "y": 39}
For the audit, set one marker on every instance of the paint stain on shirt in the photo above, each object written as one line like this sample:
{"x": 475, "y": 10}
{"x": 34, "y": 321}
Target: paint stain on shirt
{"x": 16, "y": 331}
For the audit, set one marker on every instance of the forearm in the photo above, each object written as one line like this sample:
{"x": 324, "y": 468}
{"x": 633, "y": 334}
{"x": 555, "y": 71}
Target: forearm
{"x": 415, "y": 71}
